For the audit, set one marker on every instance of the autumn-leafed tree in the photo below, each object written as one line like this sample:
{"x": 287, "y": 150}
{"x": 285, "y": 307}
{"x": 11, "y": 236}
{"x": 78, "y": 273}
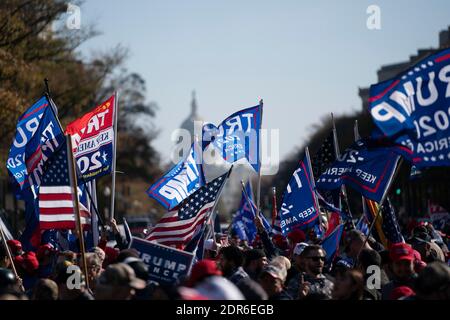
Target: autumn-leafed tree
{"x": 35, "y": 44}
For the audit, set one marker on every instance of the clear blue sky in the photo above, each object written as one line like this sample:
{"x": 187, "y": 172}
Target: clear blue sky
{"x": 304, "y": 58}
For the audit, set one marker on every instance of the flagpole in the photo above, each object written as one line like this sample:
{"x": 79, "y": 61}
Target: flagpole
{"x": 247, "y": 199}
{"x": 54, "y": 110}
{"x": 274, "y": 205}
{"x": 74, "y": 185}
{"x": 258, "y": 190}
{"x": 313, "y": 184}
{"x": 338, "y": 154}
{"x": 212, "y": 214}
{"x": 113, "y": 186}
{"x": 94, "y": 218}
{"x": 364, "y": 203}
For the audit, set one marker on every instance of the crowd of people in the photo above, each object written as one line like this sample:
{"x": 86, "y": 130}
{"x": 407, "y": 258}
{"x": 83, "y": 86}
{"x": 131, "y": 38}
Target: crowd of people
{"x": 271, "y": 268}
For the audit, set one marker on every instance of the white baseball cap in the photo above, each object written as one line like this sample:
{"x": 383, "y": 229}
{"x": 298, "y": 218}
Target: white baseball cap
{"x": 299, "y": 248}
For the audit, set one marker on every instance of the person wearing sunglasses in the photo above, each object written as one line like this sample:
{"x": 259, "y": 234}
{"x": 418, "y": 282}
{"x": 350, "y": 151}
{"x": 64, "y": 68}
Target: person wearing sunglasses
{"x": 313, "y": 284}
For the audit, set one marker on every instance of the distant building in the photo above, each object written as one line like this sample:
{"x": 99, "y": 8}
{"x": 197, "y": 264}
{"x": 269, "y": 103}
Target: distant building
{"x": 193, "y": 118}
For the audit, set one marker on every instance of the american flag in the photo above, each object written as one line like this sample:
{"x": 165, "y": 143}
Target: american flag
{"x": 206, "y": 194}
{"x": 390, "y": 225}
{"x": 323, "y": 158}
{"x": 178, "y": 227}
{"x": 56, "y": 208}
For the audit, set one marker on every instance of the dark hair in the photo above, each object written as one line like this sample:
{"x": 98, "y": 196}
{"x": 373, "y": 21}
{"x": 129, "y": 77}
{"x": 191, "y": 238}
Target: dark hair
{"x": 434, "y": 278}
{"x": 45, "y": 289}
{"x": 127, "y": 253}
{"x": 140, "y": 269}
{"x": 385, "y": 259}
{"x": 251, "y": 289}
{"x": 310, "y": 248}
{"x": 233, "y": 254}
{"x": 252, "y": 255}
{"x": 369, "y": 257}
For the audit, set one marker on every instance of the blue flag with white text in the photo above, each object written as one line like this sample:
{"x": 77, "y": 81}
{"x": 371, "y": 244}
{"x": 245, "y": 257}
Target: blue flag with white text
{"x": 181, "y": 181}
{"x": 365, "y": 166}
{"x": 236, "y": 137}
{"x": 38, "y": 135}
{"x": 299, "y": 207}
{"x": 412, "y": 109}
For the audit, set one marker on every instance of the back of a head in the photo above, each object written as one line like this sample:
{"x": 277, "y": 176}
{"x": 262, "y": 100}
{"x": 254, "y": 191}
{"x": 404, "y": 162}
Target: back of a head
{"x": 369, "y": 257}
{"x": 233, "y": 254}
{"x": 126, "y": 254}
{"x": 45, "y": 289}
{"x": 139, "y": 267}
{"x": 433, "y": 279}
{"x": 252, "y": 290}
{"x": 252, "y": 255}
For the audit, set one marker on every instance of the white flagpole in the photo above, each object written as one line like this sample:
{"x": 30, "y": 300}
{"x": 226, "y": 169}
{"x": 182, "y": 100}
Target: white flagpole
{"x": 258, "y": 190}
{"x": 116, "y": 140}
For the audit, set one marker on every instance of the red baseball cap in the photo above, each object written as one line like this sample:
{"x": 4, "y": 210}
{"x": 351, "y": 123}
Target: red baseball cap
{"x": 297, "y": 236}
{"x": 30, "y": 263}
{"x": 15, "y": 246}
{"x": 401, "y": 292}
{"x": 401, "y": 251}
{"x": 45, "y": 250}
{"x": 202, "y": 269}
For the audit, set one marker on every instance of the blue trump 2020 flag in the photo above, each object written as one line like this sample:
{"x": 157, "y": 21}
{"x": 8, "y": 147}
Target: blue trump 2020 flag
{"x": 181, "y": 181}
{"x": 299, "y": 208}
{"x": 412, "y": 109}
{"x": 365, "y": 166}
{"x": 36, "y": 138}
{"x": 236, "y": 137}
